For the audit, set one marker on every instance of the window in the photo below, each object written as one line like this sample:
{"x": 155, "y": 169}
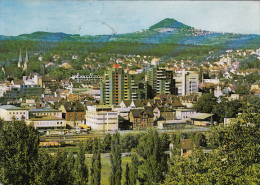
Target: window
{"x": 13, "y": 112}
{"x": 10, "y": 112}
{"x": 16, "y": 112}
{"x": 23, "y": 112}
{"x": 20, "y": 112}
{"x": 57, "y": 123}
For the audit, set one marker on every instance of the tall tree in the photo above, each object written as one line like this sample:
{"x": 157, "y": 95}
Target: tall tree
{"x": 71, "y": 167}
{"x": 96, "y": 163}
{"x": 127, "y": 178}
{"x": 18, "y": 153}
{"x": 165, "y": 141}
{"x": 81, "y": 167}
{"x": 115, "y": 158}
{"x": 133, "y": 175}
{"x": 155, "y": 160}
{"x": 107, "y": 142}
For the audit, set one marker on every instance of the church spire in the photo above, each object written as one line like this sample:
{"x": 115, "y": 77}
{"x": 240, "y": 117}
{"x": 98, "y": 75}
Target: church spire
{"x": 26, "y": 61}
{"x": 20, "y": 59}
{"x": 26, "y": 57}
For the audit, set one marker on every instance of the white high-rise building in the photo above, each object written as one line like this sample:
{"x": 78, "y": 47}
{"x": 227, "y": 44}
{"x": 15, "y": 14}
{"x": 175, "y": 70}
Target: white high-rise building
{"x": 187, "y": 82}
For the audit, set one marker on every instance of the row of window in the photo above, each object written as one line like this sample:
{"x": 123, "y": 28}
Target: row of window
{"x": 16, "y": 113}
{"x": 48, "y": 123}
{"x": 39, "y": 114}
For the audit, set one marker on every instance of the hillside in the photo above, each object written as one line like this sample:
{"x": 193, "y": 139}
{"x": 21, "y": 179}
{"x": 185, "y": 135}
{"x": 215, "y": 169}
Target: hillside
{"x": 165, "y": 31}
{"x": 171, "y": 24}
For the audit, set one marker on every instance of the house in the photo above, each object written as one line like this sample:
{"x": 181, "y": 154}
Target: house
{"x": 167, "y": 114}
{"x": 73, "y": 113}
{"x": 102, "y": 117}
{"x": 142, "y": 118}
{"x": 64, "y": 94}
{"x": 186, "y": 147}
{"x": 156, "y": 113}
{"x": 48, "y": 122}
{"x": 10, "y": 112}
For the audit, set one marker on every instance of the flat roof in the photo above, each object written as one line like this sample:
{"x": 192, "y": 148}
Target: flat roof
{"x": 44, "y": 110}
{"x": 185, "y": 110}
{"x": 11, "y": 107}
{"x": 200, "y": 116}
{"x": 47, "y": 118}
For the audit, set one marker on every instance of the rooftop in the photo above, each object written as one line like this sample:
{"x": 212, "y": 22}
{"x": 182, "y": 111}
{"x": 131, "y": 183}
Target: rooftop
{"x": 11, "y": 107}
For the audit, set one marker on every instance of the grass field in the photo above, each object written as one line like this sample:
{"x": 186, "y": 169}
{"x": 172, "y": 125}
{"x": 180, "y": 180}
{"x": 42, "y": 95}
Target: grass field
{"x": 105, "y": 171}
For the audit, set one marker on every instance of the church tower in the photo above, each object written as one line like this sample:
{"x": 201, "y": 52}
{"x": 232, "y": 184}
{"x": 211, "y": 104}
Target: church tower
{"x": 20, "y": 59}
{"x": 26, "y": 61}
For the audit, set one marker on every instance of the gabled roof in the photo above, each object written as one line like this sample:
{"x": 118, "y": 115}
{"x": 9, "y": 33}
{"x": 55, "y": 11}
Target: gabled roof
{"x": 69, "y": 107}
{"x": 149, "y": 111}
{"x": 136, "y": 112}
{"x": 127, "y": 102}
{"x": 177, "y": 103}
{"x": 51, "y": 98}
{"x": 138, "y": 103}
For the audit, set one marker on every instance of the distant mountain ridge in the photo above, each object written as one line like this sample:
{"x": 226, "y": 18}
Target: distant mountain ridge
{"x": 165, "y": 31}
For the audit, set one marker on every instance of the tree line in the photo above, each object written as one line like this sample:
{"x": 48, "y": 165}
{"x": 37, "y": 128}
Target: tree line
{"x": 233, "y": 160}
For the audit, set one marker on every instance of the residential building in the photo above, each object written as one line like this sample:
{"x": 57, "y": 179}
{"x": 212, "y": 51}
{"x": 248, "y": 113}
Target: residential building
{"x": 92, "y": 79}
{"x": 118, "y": 85}
{"x": 159, "y": 81}
{"x": 73, "y": 113}
{"x": 214, "y": 80}
{"x": 142, "y": 118}
{"x": 10, "y": 112}
{"x": 187, "y": 82}
{"x": 102, "y": 117}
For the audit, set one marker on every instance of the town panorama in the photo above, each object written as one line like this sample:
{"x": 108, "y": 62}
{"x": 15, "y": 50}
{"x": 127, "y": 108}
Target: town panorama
{"x": 170, "y": 104}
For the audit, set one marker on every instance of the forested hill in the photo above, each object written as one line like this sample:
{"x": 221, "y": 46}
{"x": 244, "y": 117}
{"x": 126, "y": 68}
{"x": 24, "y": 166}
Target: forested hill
{"x": 165, "y": 31}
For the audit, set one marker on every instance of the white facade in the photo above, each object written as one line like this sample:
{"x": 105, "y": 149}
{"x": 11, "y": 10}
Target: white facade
{"x": 124, "y": 112}
{"x": 5, "y": 86}
{"x": 187, "y": 82}
{"x": 91, "y": 77}
{"x": 101, "y": 117}
{"x": 50, "y": 122}
{"x": 8, "y": 112}
{"x": 33, "y": 81}
{"x": 214, "y": 81}
{"x": 182, "y": 114}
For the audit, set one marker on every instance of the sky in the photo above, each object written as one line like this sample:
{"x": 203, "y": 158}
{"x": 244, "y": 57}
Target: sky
{"x": 108, "y": 17}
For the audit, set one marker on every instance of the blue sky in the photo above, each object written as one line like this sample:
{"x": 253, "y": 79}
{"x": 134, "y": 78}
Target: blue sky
{"x": 106, "y": 17}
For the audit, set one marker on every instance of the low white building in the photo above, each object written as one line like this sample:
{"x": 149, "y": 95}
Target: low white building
{"x": 182, "y": 114}
{"x": 101, "y": 117}
{"x": 80, "y": 78}
{"x": 8, "y": 112}
{"x": 214, "y": 81}
{"x": 45, "y": 112}
{"x": 49, "y": 122}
